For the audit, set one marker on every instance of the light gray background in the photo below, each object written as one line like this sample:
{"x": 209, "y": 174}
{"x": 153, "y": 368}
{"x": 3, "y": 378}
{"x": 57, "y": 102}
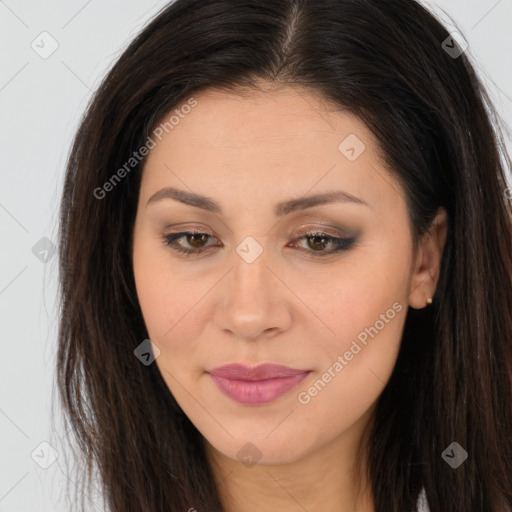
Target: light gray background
{"x": 41, "y": 101}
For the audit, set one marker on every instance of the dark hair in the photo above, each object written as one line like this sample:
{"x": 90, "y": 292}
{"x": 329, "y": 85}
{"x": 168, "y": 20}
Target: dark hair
{"x": 385, "y": 62}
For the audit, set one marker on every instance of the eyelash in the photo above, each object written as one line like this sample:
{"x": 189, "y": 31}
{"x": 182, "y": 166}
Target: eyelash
{"x": 342, "y": 244}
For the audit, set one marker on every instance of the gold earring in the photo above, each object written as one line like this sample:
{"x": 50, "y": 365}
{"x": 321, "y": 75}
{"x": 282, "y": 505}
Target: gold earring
{"x": 429, "y": 301}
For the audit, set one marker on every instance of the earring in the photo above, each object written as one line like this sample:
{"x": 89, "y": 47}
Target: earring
{"x": 429, "y": 301}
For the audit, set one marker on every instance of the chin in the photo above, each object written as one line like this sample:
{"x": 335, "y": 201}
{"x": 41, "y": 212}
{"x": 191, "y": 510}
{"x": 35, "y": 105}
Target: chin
{"x": 271, "y": 451}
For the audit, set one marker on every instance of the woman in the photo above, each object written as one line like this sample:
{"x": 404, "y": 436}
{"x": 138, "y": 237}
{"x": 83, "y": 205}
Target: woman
{"x": 286, "y": 266}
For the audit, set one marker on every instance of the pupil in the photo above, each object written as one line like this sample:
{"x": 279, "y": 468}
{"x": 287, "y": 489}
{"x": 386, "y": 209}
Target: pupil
{"x": 316, "y": 238}
{"x": 193, "y": 236}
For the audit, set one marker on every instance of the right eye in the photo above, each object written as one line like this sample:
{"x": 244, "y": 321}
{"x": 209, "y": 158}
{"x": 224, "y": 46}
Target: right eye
{"x": 193, "y": 238}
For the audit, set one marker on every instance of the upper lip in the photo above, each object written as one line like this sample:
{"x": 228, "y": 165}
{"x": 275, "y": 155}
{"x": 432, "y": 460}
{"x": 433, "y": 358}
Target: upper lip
{"x": 261, "y": 372}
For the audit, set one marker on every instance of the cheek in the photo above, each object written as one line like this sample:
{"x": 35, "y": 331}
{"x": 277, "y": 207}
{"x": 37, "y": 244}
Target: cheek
{"x": 365, "y": 309}
{"x": 170, "y": 312}
{"x": 154, "y": 295}
{"x": 170, "y": 305}
{"x": 356, "y": 295}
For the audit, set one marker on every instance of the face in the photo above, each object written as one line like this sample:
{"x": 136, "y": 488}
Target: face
{"x": 319, "y": 285}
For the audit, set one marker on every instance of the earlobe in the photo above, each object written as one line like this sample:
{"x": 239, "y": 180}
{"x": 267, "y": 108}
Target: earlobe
{"x": 428, "y": 261}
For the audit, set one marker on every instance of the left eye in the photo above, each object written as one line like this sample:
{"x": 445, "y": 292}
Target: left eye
{"x": 316, "y": 240}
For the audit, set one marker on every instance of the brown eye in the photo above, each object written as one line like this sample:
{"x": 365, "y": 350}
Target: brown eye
{"x": 194, "y": 241}
{"x": 317, "y": 243}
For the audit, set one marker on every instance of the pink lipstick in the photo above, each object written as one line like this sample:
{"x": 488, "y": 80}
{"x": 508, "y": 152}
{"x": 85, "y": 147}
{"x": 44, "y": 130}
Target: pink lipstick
{"x": 256, "y": 385}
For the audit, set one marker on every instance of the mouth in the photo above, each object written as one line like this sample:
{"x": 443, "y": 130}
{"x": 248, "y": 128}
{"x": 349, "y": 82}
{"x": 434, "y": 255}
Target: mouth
{"x": 256, "y": 385}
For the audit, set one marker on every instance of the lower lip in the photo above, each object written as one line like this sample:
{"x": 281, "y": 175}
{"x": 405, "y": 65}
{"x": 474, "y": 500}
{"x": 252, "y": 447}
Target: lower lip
{"x": 257, "y": 392}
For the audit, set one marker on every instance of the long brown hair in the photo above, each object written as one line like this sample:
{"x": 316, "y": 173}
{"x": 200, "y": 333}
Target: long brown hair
{"x": 388, "y": 62}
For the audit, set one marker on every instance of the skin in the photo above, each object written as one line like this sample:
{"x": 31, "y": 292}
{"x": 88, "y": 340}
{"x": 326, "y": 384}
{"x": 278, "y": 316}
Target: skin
{"x": 249, "y": 152}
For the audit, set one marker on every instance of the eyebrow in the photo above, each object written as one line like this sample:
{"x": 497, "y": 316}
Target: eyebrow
{"x": 280, "y": 209}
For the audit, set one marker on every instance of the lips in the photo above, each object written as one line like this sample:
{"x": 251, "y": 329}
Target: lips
{"x": 256, "y": 385}
{"x": 261, "y": 372}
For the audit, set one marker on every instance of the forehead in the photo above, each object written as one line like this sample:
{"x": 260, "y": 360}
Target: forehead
{"x": 270, "y": 116}
{"x": 287, "y": 139}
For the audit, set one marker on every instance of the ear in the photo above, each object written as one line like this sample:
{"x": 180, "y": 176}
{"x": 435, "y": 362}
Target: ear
{"x": 427, "y": 262}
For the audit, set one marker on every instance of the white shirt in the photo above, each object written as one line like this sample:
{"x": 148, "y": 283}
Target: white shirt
{"x": 422, "y": 504}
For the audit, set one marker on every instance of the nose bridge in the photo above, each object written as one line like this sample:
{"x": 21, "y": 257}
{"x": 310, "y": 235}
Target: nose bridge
{"x": 251, "y": 277}
{"x": 251, "y": 303}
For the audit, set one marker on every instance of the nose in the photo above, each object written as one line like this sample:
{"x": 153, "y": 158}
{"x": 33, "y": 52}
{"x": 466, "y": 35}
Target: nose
{"x": 254, "y": 303}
